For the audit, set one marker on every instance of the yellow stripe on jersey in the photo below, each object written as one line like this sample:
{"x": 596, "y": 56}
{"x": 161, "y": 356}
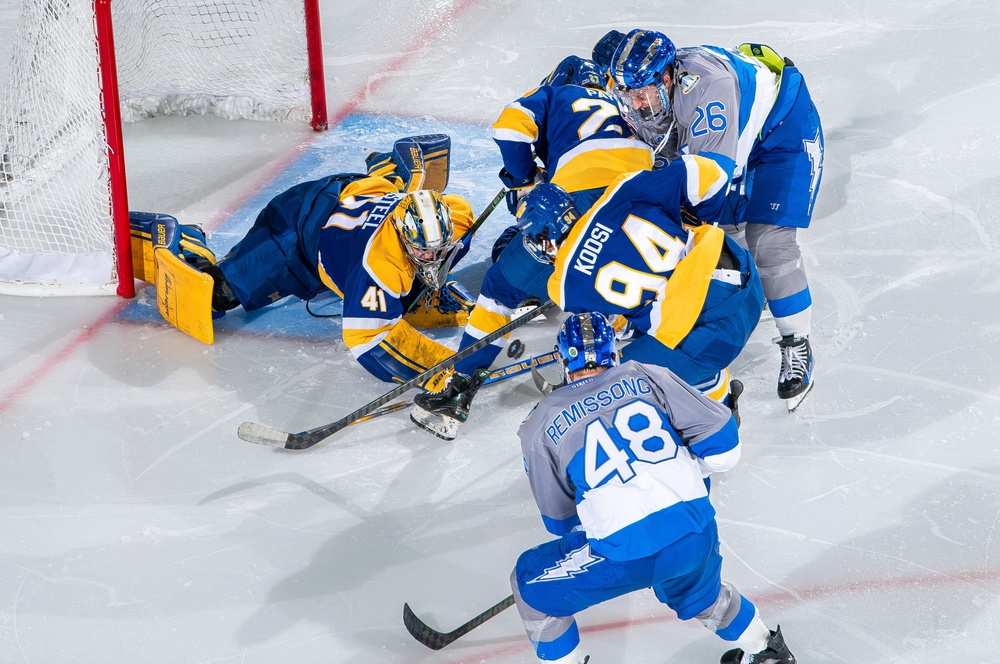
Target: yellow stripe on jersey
{"x": 600, "y": 164}
{"x": 704, "y": 177}
{"x": 687, "y": 287}
{"x": 461, "y": 213}
{"x": 485, "y": 321}
{"x": 720, "y": 390}
{"x": 370, "y": 186}
{"x": 359, "y": 336}
{"x": 515, "y": 124}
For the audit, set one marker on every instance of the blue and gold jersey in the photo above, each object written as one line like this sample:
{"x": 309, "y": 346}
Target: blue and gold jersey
{"x": 362, "y": 259}
{"x": 631, "y": 253}
{"x": 576, "y": 132}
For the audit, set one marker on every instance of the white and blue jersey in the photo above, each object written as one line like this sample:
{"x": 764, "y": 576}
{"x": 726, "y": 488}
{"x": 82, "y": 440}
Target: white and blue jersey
{"x": 624, "y": 455}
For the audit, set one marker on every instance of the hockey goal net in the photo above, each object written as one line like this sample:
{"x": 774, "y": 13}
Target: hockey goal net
{"x": 79, "y": 68}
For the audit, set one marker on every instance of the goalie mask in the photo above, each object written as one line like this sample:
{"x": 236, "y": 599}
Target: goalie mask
{"x": 586, "y": 341}
{"x": 637, "y": 68}
{"x": 423, "y": 221}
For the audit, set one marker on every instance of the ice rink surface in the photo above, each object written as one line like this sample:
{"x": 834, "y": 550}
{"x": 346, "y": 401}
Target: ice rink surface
{"x": 137, "y": 527}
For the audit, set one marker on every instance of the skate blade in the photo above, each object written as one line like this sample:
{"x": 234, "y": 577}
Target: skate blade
{"x": 445, "y": 428}
{"x": 794, "y": 402}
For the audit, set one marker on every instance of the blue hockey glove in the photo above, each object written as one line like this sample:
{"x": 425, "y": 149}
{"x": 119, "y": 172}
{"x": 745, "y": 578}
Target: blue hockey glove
{"x": 605, "y": 48}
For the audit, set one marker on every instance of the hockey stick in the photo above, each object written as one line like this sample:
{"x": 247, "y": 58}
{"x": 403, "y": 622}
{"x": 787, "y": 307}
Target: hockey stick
{"x": 436, "y": 640}
{"x": 501, "y": 373}
{"x": 264, "y": 435}
{"x": 480, "y": 220}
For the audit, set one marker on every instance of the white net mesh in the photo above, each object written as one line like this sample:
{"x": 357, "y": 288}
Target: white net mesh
{"x": 233, "y": 58}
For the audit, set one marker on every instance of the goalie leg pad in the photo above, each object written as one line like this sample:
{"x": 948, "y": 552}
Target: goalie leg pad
{"x": 194, "y": 247}
{"x": 150, "y": 230}
{"x": 184, "y": 295}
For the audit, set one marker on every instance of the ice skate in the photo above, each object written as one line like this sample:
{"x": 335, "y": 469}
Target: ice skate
{"x": 776, "y": 652}
{"x": 795, "y": 379}
{"x": 442, "y": 413}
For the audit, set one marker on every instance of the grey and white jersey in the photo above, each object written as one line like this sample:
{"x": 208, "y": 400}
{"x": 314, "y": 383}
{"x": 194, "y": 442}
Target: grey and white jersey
{"x": 624, "y": 454}
{"x": 719, "y": 101}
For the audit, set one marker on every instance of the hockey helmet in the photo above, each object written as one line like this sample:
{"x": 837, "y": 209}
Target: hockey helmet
{"x": 586, "y": 341}
{"x": 423, "y": 221}
{"x": 637, "y": 69}
{"x": 574, "y": 70}
{"x": 545, "y": 217}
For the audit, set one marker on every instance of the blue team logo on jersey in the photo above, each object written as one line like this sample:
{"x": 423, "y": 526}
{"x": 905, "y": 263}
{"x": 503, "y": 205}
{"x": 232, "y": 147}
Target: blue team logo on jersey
{"x": 575, "y": 563}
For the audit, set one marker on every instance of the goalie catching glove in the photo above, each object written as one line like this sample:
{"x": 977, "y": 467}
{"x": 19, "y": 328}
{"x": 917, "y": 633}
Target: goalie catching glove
{"x": 416, "y": 162}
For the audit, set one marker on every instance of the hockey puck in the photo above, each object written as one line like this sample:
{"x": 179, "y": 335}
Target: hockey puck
{"x": 515, "y": 349}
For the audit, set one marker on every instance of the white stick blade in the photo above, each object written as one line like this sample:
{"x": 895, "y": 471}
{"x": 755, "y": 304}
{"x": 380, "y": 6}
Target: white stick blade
{"x": 262, "y": 435}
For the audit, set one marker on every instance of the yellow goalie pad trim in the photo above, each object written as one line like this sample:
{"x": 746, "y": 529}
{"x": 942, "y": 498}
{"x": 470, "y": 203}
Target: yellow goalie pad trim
{"x": 184, "y": 296}
{"x": 143, "y": 265}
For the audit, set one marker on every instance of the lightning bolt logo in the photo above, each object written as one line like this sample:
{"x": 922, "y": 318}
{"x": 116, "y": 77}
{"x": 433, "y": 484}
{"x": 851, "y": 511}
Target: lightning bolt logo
{"x": 575, "y": 563}
{"x": 814, "y": 150}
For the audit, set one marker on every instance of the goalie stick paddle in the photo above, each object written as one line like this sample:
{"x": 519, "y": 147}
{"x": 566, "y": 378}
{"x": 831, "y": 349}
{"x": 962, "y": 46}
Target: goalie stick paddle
{"x": 436, "y": 640}
{"x": 264, "y": 435}
{"x": 501, "y": 373}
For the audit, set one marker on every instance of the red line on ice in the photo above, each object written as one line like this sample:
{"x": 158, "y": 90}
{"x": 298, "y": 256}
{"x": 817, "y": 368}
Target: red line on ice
{"x": 762, "y": 600}
{"x": 24, "y": 385}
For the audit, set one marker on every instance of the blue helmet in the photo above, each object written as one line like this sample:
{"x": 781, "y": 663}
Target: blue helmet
{"x": 575, "y": 70}
{"x": 586, "y": 341}
{"x": 637, "y": 70}
{"x": 641, "y": 59}
{"x": 545, "y": 217}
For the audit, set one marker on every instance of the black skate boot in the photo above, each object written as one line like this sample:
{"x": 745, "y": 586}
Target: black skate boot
{"x": 223, "y": 298}
{"x": 442, "y": 413}
{"x": 735, "y": 390}
{"x": 776, "y": 652}
{"x": 795, "y": 379}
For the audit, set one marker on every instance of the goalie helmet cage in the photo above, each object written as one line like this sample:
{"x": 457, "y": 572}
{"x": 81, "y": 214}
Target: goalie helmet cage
{"x": 73, "y": 80}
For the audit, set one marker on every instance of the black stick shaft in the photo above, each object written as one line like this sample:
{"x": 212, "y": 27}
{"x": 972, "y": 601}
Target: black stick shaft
{"x": 436, "y": 640}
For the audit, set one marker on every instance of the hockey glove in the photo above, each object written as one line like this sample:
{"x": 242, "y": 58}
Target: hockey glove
{"x": 604, "y": 49}
{"x": 518, "y": 188}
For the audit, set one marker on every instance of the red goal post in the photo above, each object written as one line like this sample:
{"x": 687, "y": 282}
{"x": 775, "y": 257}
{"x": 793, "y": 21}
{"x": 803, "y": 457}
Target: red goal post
{"x": 80, "y": 68}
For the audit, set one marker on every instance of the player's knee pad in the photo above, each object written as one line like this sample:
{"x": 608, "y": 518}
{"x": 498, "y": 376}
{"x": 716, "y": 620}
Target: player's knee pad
{"x": 723, "y": 611}
{"x": 194, "y": 247}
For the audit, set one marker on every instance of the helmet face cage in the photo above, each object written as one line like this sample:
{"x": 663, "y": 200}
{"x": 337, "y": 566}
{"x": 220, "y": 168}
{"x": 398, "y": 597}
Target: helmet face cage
{"x": 637, "y": 68}
{"x": 423, "y": 222}
{"x": 586, "y": 341}
{"x": 545, "y": 216}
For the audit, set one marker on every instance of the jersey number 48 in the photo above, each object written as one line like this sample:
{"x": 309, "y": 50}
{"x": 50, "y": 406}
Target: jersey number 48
{"x": 637, "y": 435}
